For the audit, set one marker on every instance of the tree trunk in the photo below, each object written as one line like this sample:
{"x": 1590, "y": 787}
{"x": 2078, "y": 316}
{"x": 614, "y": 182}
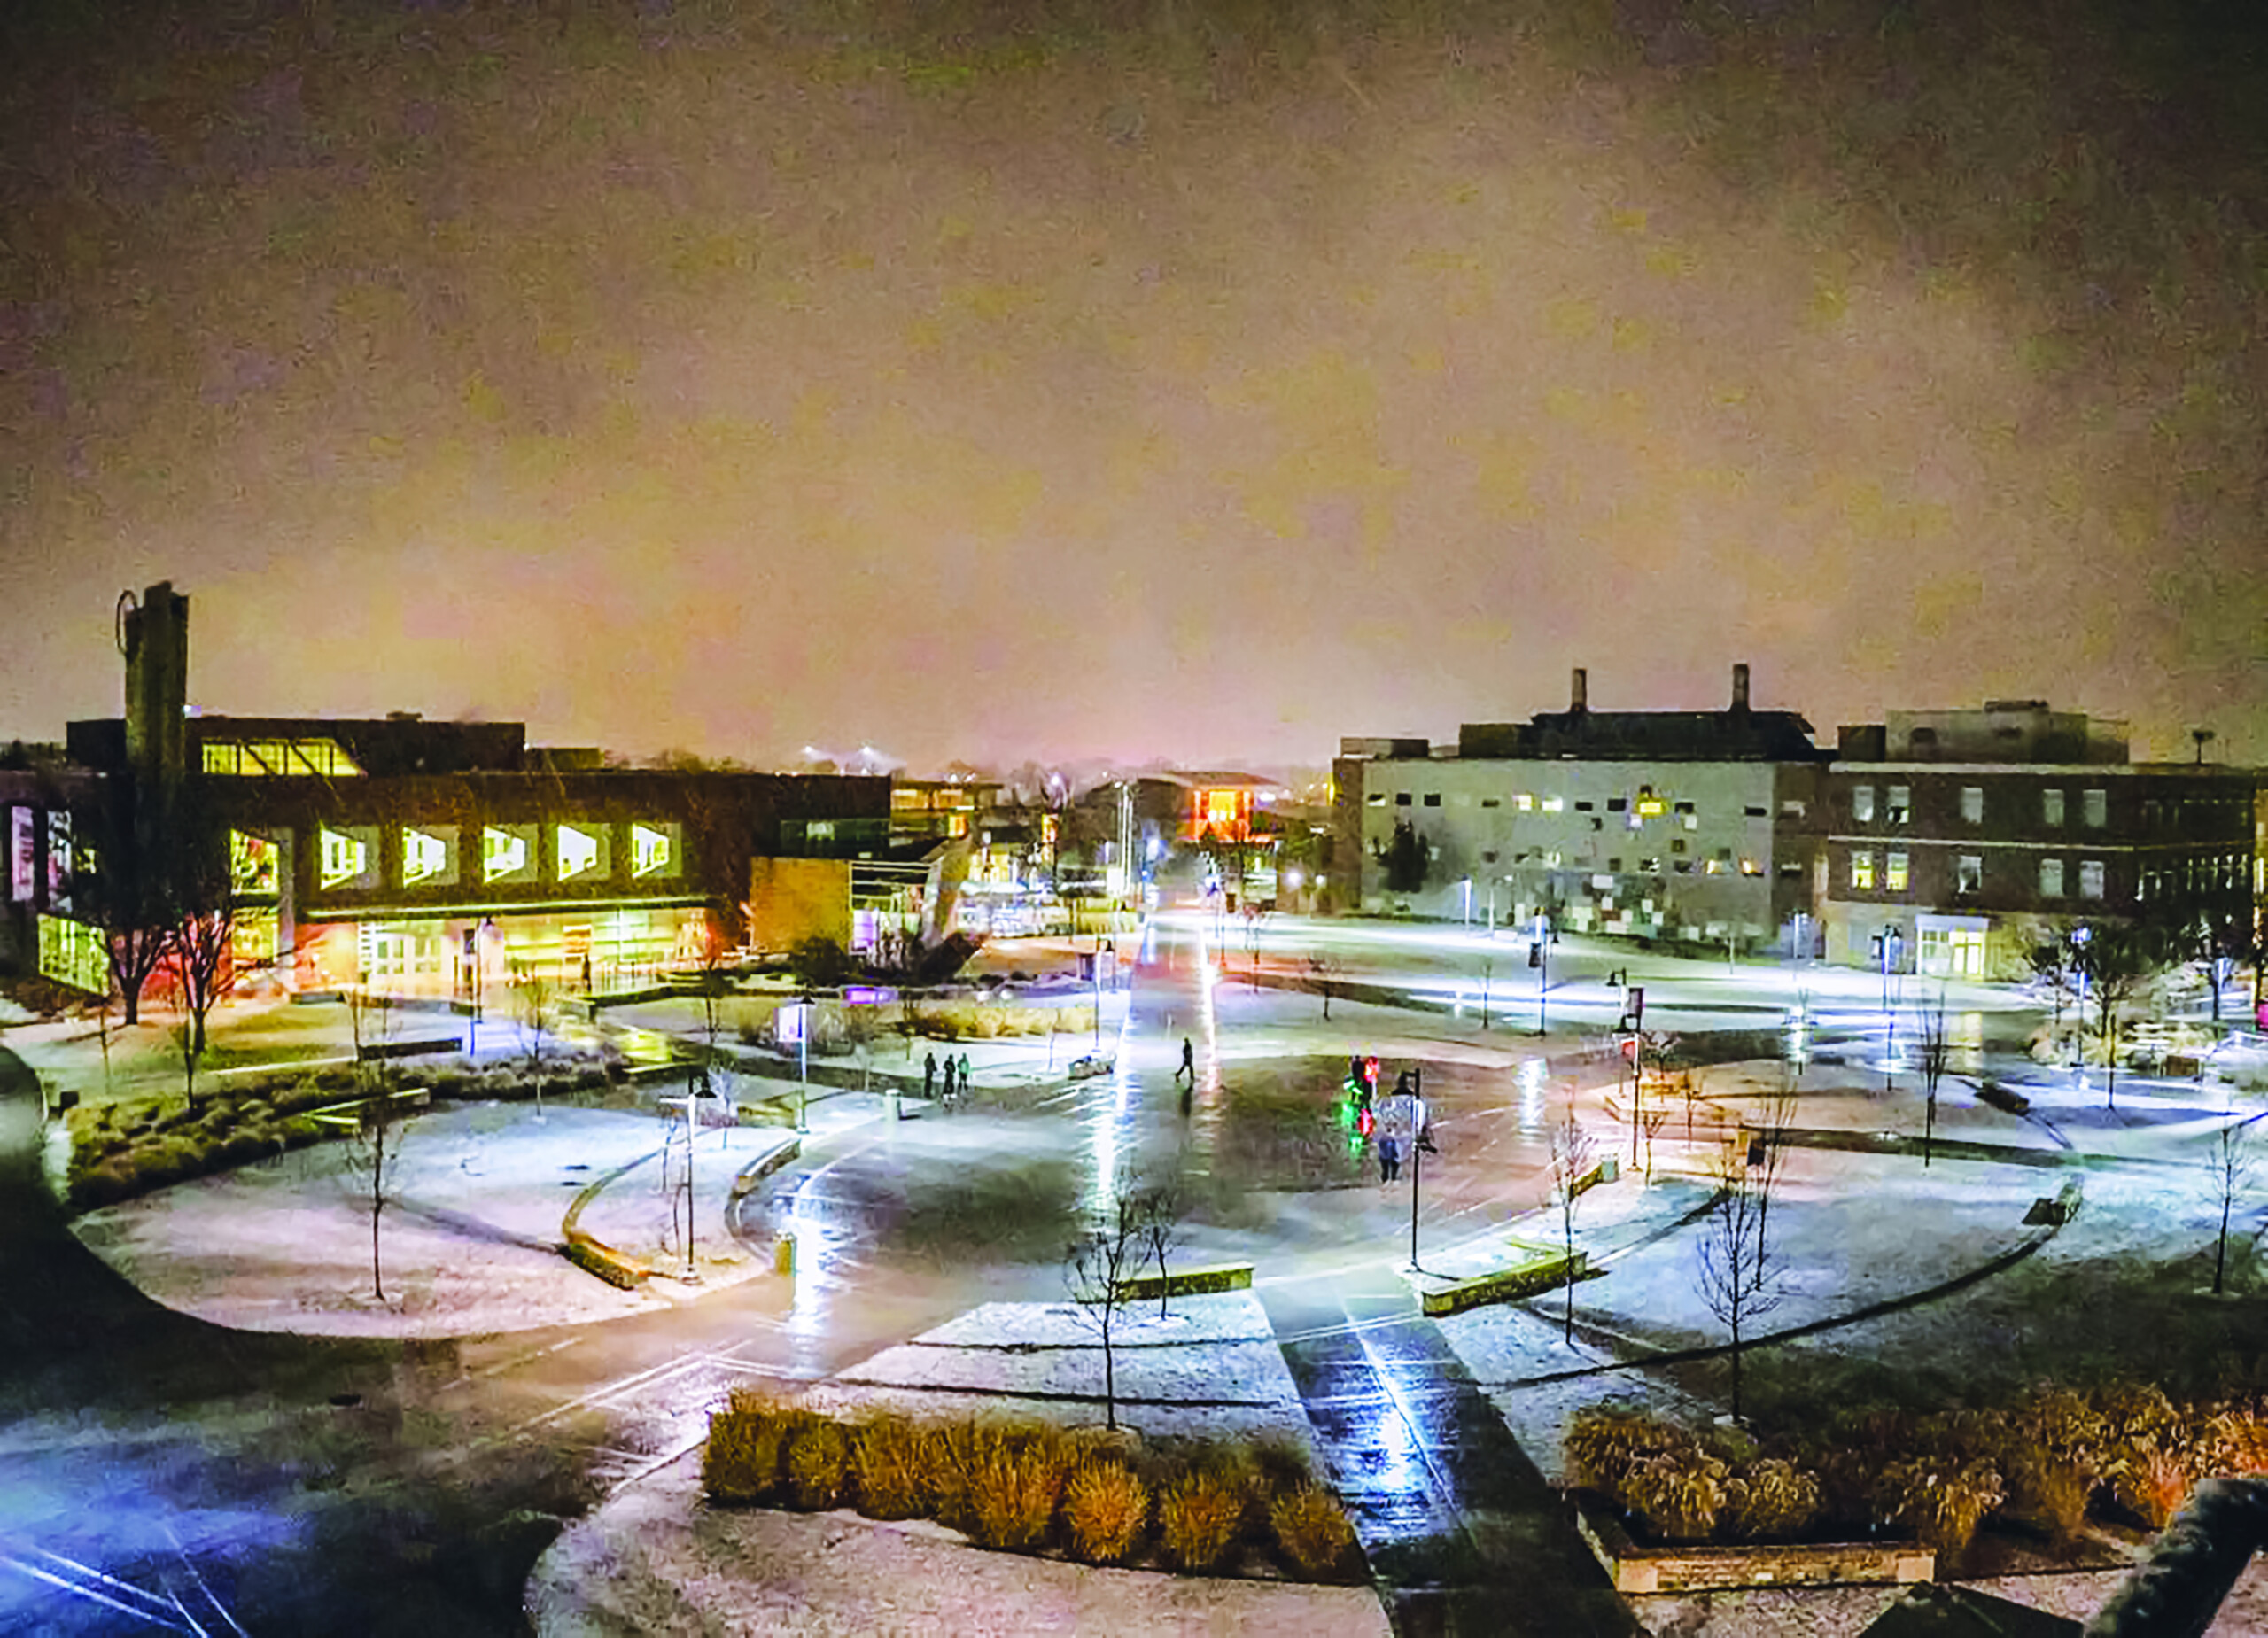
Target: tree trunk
{"x": 1735, "y": 1329}
{"x": 2221, "y": 1246}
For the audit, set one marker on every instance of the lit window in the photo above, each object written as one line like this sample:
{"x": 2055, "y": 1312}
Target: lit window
{"x": 1862, "y": 804}
{"x": 1554, "y": 804}
{"x": 222, "y": 757}
{"x": 1862, "y": 869}
{"x": 581, "y": 852}
{"x": 1523, "y": 801}
{"x": 1900, "y": 806}
{"x": 2091, "y": 881}
{"x": 504, "y": 853}
{"x": 2051, "y": 878}
{"x": 1791, "y": 809}
{"x": 1969, "y": 875}
{"x": 2051, "y": 807}
{"x": 1893, "y": 873}
{"x": 344, "y": 857}
{"x": 2095, "y": 809}
{"x": 429, "y": 856}
{"x": 1972, "y": 805}
{"x": 1651, "y": 805}
{"x": 653, "y": 850}
{"x": 1751, "y": 867}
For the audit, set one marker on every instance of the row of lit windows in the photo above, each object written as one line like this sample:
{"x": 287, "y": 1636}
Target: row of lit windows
{"x": 1636, "y": 809}
{"x": 347, "y": 856}
{"x": 1898, "y": 806}
{"x": 1969, "y": 875}
{"x": 277, "y": 758}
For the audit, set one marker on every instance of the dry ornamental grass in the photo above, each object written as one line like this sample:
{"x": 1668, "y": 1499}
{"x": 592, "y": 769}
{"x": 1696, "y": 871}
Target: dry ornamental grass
{"x": 1106, "y": 1512}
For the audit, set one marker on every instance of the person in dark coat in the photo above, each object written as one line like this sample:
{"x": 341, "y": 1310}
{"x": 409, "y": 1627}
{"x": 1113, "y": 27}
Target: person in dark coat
{"x": 929, "y": 1076}
{"x": 1188, "y": 1062}
{"x": 949, "y": 1077}
{"x": 1389, "y": 1157}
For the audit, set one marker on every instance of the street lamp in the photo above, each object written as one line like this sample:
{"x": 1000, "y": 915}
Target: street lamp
{"x": 1467, "y": 885}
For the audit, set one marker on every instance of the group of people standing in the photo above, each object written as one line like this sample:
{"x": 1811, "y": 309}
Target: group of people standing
{"x": 956, "y": 1080}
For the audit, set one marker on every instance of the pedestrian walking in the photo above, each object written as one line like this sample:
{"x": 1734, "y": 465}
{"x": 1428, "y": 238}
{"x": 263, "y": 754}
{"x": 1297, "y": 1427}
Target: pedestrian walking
{"x": 949, "y": 1077}
{"x": 929, "y": 1076}
{"x": 1188, "y": 1062}
{"x": 964, "y": 1075}
{"x": 1389, "y": 1157}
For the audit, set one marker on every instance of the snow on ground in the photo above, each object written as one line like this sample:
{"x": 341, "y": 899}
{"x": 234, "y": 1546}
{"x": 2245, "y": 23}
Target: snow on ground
{"x": 1210, "y": 1368}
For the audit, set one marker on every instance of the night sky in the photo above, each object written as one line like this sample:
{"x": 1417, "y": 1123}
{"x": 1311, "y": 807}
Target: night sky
{"x": 1154, "y": 379}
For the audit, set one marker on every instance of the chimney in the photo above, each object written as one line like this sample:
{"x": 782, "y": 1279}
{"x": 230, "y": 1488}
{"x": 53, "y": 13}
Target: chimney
{"x": 153, "y": 635}
{"x": 1580, "y": 701}
{"x": 1740, "y": 687}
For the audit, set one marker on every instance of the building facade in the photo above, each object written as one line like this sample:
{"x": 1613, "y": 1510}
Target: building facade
{"x": 442, "y": 859}
{"x": 1958, "y": 841}
{"x": 1694, "y": 825}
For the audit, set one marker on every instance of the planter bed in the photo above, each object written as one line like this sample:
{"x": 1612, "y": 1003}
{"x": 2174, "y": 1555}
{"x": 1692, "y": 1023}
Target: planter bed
{"x": 1701, "y": 1567}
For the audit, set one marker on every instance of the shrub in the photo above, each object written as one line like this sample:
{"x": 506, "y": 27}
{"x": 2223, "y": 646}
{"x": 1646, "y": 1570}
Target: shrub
{"x": 1677, "y": 1493}
{"x": 1013, "y": 1492}
{"x": 1602, "y": 1442}
{"x": 2133, "y": 1411}
{"x": 1280, "y": 1464}
{"x": 1941, "y": 1501}
{"x": 2051, "y": 1494}
{"x": 1771, "y": 1498}
{"x": 818, "y": 1457}
{"x": 1106, "y": 1510}
{"x": 951, "y": 1456}
{"x": 2153, "y": 1476}
{"x": 2237, "y": 1441}
{"x": 1312, "y": 1532}
{"x": 887, "y": 1458}
{"x": 742, "y": 1460}
{"x": 1198, "y": 1518}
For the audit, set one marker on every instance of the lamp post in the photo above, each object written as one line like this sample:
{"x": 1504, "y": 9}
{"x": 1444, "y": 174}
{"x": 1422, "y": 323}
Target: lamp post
{"x": 1467, "y": 885}
{"x": 1417, "y": 1153}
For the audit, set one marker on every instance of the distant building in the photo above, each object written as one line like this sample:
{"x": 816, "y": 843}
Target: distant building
{"x": 438, "y": 859}
{"x": 1695, "y": 826}
{"x": 1960, "y": 841}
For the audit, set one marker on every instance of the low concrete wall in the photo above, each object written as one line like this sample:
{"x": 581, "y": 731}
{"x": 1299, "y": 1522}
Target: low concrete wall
{"x": 594, "y": 1255}
{"x": 758, "y": 1169}
{"x": 1203, "y": 1282}
{"x": 1522, "y": 1280}
{"x": 1635, "y": 1569}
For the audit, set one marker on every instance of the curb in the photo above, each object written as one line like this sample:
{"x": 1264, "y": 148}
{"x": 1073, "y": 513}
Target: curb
{"x": 592, "y": 1254}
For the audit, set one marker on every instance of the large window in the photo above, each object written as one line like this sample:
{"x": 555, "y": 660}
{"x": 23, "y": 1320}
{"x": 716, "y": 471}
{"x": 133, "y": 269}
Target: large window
{"x": 347, "y": 858}
{"x": 2051, "y": 808}
{"x": 582, "y": 852}
{"x": 2091, "y": 878}
{"x": 508, "y": 853}
{"x": 1862, "y": 804}
{"x": 1862, "y": 869}
{"x": 2051, "y": 878}
{"x": 253, "y": 861}
{"x": 2095, "y": 809}
{"x": 277, "y": 758}
{"x": 1972, "y": 805}
{"x": 1893, "y": 876}
{"x": 653, "y": 851}
{"x": 1969, "y": 875}
{"x": 429, "y": 856}
{"x": 1900, "y": 805}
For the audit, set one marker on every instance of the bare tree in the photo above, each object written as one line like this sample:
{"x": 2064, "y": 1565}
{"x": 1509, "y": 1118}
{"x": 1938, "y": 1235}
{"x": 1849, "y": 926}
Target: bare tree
{"x": 862, "y": 1025}
{"x": 1325, "y": 975}
{"x": 198, "y": 955}
{"x": 1099, "y": 1269}
{"x": 1574, "y": 1154}
{"x": 1935, "y": 1052}
{"x": 2231, "y": 1162}
{"x": 1739, "y": 1272}
{"x": 1161, "y": 1215}
{"x": 382, "y": 1119}
{"x": 536, "y": 1013}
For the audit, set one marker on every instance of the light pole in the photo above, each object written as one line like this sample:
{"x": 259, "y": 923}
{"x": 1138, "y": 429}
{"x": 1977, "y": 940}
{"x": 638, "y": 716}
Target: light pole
{"x": 1416, "y": 1153}
{"x": 1467, "y": 885}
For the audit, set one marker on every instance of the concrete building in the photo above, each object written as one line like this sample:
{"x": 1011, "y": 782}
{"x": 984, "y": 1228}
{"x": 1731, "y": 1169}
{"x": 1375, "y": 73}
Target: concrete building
{"x": 1960, "y": 841}
{"x": 1693, "y": 826}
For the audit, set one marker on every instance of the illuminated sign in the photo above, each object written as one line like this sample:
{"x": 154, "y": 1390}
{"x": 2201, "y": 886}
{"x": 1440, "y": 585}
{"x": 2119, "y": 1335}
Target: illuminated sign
{"x": 581, "y": 852}
{"x": 71, "y": 952}
{"x": 23, "y": 854}
{"x": 251, "y": 863}
{"x": 59, "y": 859}
{"x": 653, "y": 850}
{"x": 344, "y": 857}
{"x": 429, "y": 857}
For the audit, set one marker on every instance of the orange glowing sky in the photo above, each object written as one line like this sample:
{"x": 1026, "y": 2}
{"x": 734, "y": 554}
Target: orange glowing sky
{"x": 1187, "y": 381}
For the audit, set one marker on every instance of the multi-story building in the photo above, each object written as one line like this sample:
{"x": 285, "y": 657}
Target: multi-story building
{"x": 1697, "y": 825}
{"x": 1958, "y": 841}
{"x": 429, "y": 857}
